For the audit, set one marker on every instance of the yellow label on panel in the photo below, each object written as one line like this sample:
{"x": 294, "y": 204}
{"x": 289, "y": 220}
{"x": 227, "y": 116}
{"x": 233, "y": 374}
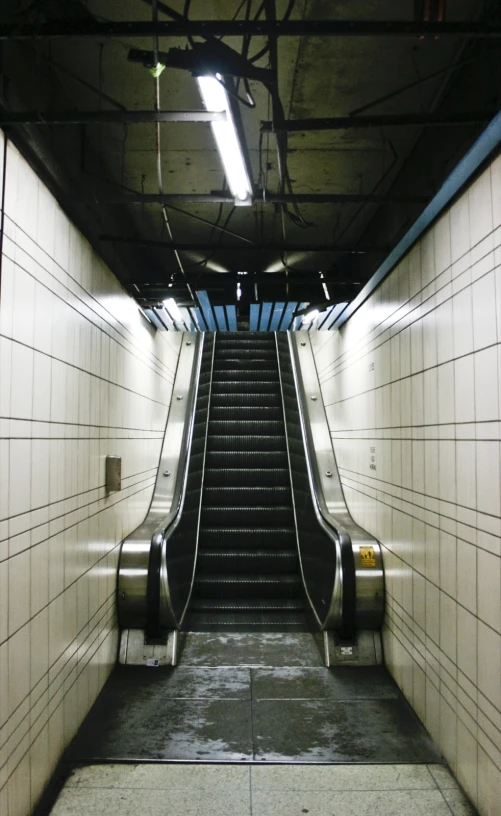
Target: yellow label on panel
{"x": 367, "y": 557}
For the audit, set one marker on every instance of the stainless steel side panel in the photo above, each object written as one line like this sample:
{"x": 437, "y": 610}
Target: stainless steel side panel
{"x": 326, "y": 485}
{"x": 168, "y": 492}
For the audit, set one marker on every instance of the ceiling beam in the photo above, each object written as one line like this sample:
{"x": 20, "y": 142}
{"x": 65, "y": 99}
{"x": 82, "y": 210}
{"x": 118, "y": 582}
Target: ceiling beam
{"x": 210, "y": 247}
{"x": 260, "y": 196}
{"x": 105, "y": 117}
{"x": 399, "y": 120}
{"x": 253, "y": 28}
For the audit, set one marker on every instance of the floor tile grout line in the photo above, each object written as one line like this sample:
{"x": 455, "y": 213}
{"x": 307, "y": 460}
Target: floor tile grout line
{"x": 252, "y": 712}
{"x": 250, "y": 785}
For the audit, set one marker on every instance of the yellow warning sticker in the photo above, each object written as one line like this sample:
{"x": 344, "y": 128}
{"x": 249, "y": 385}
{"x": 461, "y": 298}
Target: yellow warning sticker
{"x": 367, "y": 557}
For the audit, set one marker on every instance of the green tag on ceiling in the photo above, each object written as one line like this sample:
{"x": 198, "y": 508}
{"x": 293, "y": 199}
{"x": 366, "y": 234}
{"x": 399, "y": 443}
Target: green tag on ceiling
{"x": 157, "y": 70}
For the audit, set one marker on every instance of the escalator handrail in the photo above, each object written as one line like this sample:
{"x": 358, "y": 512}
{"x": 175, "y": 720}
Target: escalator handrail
{"x": 342, "y": 606}
{"x": 136, "y": 570}
{"x": 362, "y": 586}
{"x": 157, "y": 563}
{"x": 211, "y": 375}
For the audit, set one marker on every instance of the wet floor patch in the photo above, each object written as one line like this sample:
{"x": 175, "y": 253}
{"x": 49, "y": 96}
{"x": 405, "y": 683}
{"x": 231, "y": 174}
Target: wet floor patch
{"x": 252, "y": 706}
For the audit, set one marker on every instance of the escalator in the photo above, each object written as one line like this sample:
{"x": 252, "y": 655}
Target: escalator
{"x": 247, "y": 574}
{"x": 249, "y": 587}
{"x": 248, "y": 530}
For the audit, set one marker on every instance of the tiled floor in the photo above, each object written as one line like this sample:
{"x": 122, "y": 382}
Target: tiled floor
{"x": 272, "y": 790}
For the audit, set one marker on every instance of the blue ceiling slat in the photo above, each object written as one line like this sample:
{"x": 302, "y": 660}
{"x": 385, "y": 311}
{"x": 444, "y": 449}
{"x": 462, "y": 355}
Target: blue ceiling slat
{"x": 277, "y": 316}
{"x": 188, "y": 322}
{"x": 340, "y": 307}
{"x": 254, "y": 317}
{"x": 323, "y": 318}
{"x": 298, "y": 321}
{"x": 289, "y": 310}
{"x": 203, "y": 299}
{"x": 488, "y": 141}
{"x": 220, "y": 318}
{"x": 154, "y": 319}
{"x": 231, "y": 316}
{"x": 199, "y": 319}
{"x": 265, "y": 316}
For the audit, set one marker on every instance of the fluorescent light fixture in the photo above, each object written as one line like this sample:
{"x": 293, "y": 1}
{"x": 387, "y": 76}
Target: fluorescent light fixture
{"x": 173, "y": 310}
{"x": 215, "y": 99}
{"x": 311, "y": 316}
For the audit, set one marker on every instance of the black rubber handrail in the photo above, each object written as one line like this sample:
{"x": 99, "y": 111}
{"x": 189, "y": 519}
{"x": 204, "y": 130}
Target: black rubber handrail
{"x": 153, "y": 627}
{"x": 349, "y": 590}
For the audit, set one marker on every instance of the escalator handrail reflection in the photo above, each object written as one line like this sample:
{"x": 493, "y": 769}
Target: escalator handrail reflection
{"x": 158, "y": 546}
{"x": 342, "y": 605}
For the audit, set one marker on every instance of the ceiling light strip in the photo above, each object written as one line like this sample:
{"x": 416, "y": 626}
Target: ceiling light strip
{"x": 215, "y": 98}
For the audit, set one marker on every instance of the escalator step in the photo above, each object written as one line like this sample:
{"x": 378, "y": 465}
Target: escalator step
{"x": 248, "y": 605}
{"x": 262, "y": 427}
{"x": 244, "y": 375}
{"x": 246, "y": 586}
{"x": 245, "y": 443}
{"x": 243, "y": 386}
{"x": 246, "y": 459}
{"x": 245, "y": 399}
{"x": 243, "y": 477}
{"x": 234, "y": 517}
{"x": 256, "y": 621}
{"x": 246, "y": 496}
{"x": 233, "y": 538}
{"x": 246, "y": 412}
{"x": 254, "y": 364}
{"x": 229, "y": 352}
{"x": 247, "y": 561}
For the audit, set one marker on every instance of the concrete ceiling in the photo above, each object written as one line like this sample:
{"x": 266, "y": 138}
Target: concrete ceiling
{"x": 317, "y": 77}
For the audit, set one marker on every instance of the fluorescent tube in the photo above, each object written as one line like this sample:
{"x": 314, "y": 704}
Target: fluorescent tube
{"x": 215, "y": 98}
{"x": 173, "y": 310}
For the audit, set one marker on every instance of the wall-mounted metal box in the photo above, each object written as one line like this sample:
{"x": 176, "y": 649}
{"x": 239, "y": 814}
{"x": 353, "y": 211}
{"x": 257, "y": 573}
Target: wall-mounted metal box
{"x": 113, "y": 473}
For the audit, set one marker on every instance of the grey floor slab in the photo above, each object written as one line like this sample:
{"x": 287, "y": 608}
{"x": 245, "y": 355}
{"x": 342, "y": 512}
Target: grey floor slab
{"x": 126, "y": 802}
{"x": 320, "y": 683}
{"x": 201, "y": 730}
{"x": 162, "y": 776}
{"x": 357, "y": 731}
{"x": 341, "y": 777}
{"x": 263, "y": 649}
{"x": 261, "y": 790}
{"x": 343, "y": 803}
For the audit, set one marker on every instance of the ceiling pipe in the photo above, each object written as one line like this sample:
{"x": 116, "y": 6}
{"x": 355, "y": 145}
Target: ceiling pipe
{"x": 261, "y": 196}
{"x": 400, "y": 120}
{"x": 57, "y": 29}
{"x": 104, "y": 117}
{"x": 208, "y": 247}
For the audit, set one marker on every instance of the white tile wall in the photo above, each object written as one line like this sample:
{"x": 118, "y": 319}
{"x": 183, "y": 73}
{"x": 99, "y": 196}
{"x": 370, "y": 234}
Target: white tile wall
{"x": 433, "y": 332}
{"x": 82, "y": 375}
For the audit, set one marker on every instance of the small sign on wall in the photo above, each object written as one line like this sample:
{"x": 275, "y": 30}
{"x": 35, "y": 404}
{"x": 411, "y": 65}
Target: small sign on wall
{"x": 372, "y": 457}
{"x": 113, "y": 474}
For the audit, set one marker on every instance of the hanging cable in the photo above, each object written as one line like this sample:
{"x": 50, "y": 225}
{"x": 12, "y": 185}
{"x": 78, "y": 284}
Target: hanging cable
{"x": 158, "y": 146}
